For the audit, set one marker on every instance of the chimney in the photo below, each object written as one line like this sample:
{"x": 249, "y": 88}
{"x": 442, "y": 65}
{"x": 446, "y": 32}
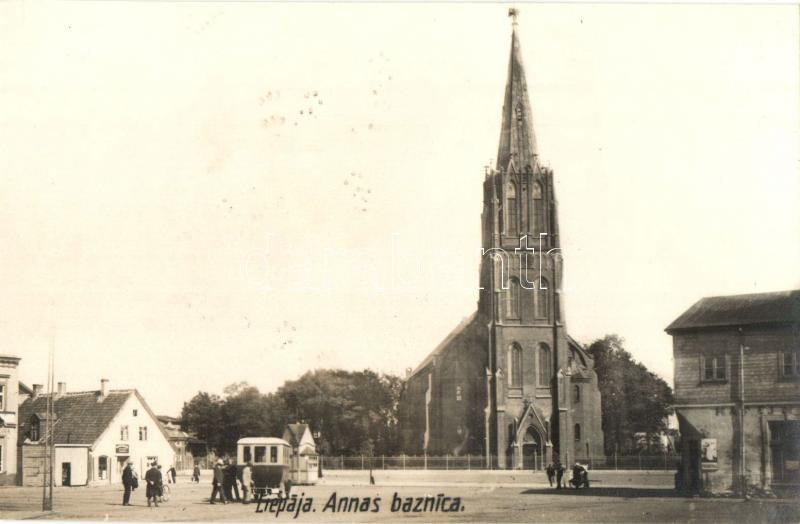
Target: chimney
{"x": 37, "y": 390}
{"x": 62, "y": 389}
{"x": 103, "y": 388}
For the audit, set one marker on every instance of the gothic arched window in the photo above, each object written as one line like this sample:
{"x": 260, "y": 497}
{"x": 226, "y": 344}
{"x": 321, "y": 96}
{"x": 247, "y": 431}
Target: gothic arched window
{"x": 515, "y": 365}
{"x": 538, "y": 209}
{"x": 577, "y": 432}
{"x": 576, "y": 393}
{"x": 544, "y": 365}
{"x": 542, "y": 298}
{"x": 512, "y": 298}
{"x": 512, "y": 214}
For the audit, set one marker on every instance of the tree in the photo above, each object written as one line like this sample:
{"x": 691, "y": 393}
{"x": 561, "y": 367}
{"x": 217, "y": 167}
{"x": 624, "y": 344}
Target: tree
{"x": 634, "y": 400}
{"x": 352, "y": 409}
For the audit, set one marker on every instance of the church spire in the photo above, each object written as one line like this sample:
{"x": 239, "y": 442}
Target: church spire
{"x": 517, "y": 141}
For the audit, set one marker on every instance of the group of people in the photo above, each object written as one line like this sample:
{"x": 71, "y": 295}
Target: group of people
{"x": 225, "y": 482}
{"x": 555, "y": 472}
{"x": 154, "y": 479}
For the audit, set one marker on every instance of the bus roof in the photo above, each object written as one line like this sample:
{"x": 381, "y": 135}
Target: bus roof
{"x": 262, "y": 440}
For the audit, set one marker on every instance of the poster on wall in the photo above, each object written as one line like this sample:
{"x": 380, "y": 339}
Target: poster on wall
{"x": 708, "y": 446}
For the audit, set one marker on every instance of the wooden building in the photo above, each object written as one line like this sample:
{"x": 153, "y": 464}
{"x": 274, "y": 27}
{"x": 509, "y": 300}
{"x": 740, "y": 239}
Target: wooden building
{"x": 737, "y": 392}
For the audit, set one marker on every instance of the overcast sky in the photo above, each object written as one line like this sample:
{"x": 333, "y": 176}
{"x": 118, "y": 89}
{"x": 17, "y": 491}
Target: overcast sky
{"x": 146, "y": 148}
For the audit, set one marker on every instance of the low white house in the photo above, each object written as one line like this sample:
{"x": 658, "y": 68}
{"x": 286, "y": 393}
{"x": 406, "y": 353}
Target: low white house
{"x": 95, "y": 433}
{"x": 305, "y": 461}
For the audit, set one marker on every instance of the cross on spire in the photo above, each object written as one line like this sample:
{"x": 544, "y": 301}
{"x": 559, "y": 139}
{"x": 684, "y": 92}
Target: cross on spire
{"x": 512, "y": 12}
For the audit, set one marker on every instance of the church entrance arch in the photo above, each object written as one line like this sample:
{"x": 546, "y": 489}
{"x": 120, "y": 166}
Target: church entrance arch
{"x": 532, "y": 449}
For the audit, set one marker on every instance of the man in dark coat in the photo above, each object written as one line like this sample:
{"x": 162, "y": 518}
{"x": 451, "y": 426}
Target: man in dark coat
{"x": 217, "y": 481}
{"x": 127, "y": 483}
{"x": 154, "y": 480}
{"x": 551, "y": 473}
{"x": 231, "y": 486}
{"x": 196, "y": 474}
{"x": 559, "y": 474}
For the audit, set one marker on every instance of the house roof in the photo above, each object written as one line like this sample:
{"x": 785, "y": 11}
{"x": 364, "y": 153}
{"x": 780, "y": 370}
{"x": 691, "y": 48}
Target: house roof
{"x": 81, "y": 418}
{"x": 24, "y": 389}
{"x": 740, "y": 310}
{"x": 295, "y": 432}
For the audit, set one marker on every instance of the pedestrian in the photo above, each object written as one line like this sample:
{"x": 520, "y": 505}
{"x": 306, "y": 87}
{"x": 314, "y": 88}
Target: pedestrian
{"x": 127, "y": 483}
{"x": 153, "y": 478}
{"x": 551, "y": 473}
{"x": 231, "y": 486}
{"x": 217, "y": 480}
{"x": 196, "y": 473}
{"x": 247, "y": 481}
{"x": 172, "y": 474}
{"x": 580, "y": 476}
{"x": 161, "y": 484}
{"x": 559, "y": 474}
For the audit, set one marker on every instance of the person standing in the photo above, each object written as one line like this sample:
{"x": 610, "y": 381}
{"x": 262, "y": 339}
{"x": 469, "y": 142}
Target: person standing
{"x": 559, "y": 473}
{"x": 153, "y": 479}
{"x": 551, "y": 473}
{"x": 217, "y": 481}
{"x": 247, "y": 481}
{"x": 172, "y": 474}
{"x": 196, "y": 473}
{"x": 127, "y": 483}
{"x": 231, "y": 486}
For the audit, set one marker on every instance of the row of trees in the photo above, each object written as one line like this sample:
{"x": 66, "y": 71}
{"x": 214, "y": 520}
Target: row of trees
{"x": 356, "y": 412}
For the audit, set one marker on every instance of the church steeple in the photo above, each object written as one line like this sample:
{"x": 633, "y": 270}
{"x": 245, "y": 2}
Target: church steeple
{"x": 517, "y": 141}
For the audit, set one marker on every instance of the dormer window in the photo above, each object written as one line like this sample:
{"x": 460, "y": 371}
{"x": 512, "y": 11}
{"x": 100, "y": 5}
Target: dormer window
{"x": 35, "y": 433}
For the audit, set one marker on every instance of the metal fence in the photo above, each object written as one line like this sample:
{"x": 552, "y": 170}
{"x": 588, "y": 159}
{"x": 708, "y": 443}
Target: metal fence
{"x": 663, "y": 462}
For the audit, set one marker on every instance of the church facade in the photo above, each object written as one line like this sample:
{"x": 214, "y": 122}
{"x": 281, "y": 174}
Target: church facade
{"x": 509, "y": 382}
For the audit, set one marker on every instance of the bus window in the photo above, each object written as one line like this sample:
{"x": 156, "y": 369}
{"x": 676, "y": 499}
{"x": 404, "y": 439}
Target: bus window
{"x": 261, "y": 454}
{"x": 247, "y": 454}
{"x": 273, "y": 454}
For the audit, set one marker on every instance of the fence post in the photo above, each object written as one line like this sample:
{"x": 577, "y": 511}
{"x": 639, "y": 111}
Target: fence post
{"x": 468, "y": 464}
{"x": 446, "y": 462}
{"x": 383, "y": 461}
{"x": 404, "y": 461}
{"x": 615, "y": 461}
{"x": 665, "y": 461}
{"x": 425, "y": 460}
{"x": 362, "y": 462}
{"x": 341, "y": 461}
{"x": 640, "y": 460}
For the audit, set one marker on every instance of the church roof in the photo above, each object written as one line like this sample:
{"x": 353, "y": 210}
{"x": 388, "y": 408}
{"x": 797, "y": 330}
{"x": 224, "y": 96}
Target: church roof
{"x": 740, "y": 310}
{"x": 517, "y": 141}
{"x": 444, "y": 343}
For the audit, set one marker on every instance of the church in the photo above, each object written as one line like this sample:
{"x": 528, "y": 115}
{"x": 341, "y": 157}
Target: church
{"x": 509, "y": 383}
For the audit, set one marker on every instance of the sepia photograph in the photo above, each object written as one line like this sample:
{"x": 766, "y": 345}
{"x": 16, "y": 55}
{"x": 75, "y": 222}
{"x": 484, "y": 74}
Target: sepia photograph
{"x": 399, "y": 261}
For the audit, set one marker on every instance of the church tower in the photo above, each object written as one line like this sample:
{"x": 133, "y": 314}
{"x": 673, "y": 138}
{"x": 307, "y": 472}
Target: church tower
{"x": 509, "y": 383}
{"x": 528, "y": 415}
